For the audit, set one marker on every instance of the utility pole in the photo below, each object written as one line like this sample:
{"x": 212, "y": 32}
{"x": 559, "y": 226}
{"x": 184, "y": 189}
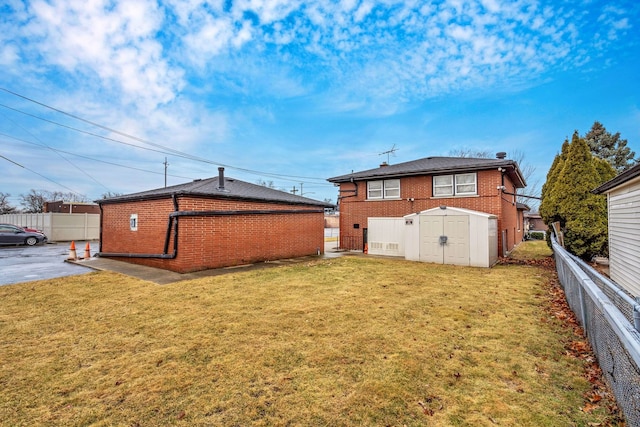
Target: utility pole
{"x": 301, "y": 192}
{"x": 295, "y": 190}
{"x": 165, "y": 172}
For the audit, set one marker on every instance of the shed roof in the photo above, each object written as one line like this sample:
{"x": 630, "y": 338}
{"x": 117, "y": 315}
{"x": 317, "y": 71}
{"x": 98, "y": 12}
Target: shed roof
{"x": 436, "y": 165}
{"x": 447, "y": 210}
{"x": 210, "y": 188}
{"x": 624, "y": 177}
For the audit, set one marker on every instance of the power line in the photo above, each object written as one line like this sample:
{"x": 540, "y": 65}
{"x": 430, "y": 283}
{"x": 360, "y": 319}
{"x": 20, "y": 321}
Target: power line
{"x": 42, "y": 176}
{"x": 60, "y": 155}
{"x": 167, "y": 150}
{"x": 94, "y": 159}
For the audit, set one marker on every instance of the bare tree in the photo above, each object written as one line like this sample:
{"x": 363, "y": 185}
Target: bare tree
{"x": 533, "y": 185}
{"x": 5, "y": 207}
{"x": 65, "y": 197}
{"x": 34, "y": 201}
{"x": 470, "y": 153}
{"x": 268, "y": 184}
{"x": 109, "y": 194}
{"x": 529, "y": 196}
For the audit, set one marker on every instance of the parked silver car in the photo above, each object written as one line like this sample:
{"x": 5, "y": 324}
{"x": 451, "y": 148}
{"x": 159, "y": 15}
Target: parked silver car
{"x": 14, "y": 235}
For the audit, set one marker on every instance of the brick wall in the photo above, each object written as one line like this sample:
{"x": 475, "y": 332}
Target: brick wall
{"x": 212, "y": 241}
{"x": 354, "y": 210}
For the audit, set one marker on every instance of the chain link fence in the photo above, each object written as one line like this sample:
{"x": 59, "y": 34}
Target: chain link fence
{"x": 611, "y": 321}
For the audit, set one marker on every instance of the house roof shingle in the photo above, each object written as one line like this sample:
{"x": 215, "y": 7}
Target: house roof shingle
{"x": 434, "y": 166}
{"x": 625, "y": 176}
{"x": 209, "y": 188}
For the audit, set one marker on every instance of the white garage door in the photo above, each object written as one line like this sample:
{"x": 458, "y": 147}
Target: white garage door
{"x": 444, "y": 239}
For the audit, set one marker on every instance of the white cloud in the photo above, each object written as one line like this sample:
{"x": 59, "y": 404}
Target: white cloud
{"x": 111, "y": 46}
{"x": 366, "y": 51}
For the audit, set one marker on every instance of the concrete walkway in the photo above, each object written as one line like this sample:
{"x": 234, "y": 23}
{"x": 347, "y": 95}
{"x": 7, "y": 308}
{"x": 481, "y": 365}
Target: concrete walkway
{"x": 163, "y": 277}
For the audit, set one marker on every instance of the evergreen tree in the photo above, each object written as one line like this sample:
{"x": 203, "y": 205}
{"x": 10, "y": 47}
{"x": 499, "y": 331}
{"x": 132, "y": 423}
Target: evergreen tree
{"x": 610, "y": 147}
{"x": 582, "y": 214}
{"x": 549, "y": 210}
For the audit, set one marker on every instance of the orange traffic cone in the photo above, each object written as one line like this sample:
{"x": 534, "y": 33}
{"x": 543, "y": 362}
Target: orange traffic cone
{"x": 72, "y": 251}
{"x": 87, "y": 251}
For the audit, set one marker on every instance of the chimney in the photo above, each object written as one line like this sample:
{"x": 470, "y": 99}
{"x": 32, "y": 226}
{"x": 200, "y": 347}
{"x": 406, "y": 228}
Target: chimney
{"x": 501, "y": 155}
{"x": 384, "y": 164}
{"x": 221, "y": 179}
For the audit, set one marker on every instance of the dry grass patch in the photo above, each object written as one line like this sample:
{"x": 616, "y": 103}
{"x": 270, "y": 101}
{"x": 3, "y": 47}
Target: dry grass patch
{"x": 351, "y": 341}
{"x": 532, "y": 250}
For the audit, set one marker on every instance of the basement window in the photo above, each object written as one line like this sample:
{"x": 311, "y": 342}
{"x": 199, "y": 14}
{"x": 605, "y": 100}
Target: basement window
{"x": 133, "y": 222}
{"x": 387, "y": 189}
{"x": 464, "y": 184}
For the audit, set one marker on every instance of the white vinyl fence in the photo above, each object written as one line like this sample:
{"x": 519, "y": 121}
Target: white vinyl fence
{"x": 611, "y": 321}
{"x": 59, "y": 227}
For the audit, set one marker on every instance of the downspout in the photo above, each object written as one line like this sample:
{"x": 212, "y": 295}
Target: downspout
{"x": 354, "y": 191}
{"x": 165, "y": 253}
{"x": 101, "y": 216}
{"x": 173, "y": 219}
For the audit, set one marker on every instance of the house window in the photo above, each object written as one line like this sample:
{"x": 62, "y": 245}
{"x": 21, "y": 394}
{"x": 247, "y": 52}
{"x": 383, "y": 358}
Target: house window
{"x": 387, "y": 189}
{"x": 466, "y": 184}
{"x": 374, "y": 190}
{"x": 443, "y": 185}
{"x": 463, "y": 184}
{"x": 392, "y": 189}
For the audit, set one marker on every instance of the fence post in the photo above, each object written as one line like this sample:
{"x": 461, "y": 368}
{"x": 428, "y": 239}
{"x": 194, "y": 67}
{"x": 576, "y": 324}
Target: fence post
{"x": 583, "y": 309}
{"x": 558, "y": 231}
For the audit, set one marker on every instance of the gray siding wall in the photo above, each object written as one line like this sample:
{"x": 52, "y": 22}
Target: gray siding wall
{"x": 624, "y": 236}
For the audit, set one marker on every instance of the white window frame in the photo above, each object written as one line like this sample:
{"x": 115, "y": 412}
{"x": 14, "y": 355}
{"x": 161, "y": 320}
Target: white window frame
{"x": 438, "y": 187}
{"x": 454, "y": 187}
{"x": 383, "y": 189}
{"x": 377, "y": 192}
{"x": 392, "y": 189}
{"x": 459, "y": 185}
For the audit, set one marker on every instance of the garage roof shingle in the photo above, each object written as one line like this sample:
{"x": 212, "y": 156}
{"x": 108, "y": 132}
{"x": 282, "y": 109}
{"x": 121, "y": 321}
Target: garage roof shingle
{"x": 209, "y": 188}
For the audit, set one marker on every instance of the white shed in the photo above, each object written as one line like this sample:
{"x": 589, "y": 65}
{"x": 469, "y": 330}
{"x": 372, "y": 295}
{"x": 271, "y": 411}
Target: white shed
{"x": 623, "y": 201}
{"x": 447, "y": 235}
{"x": 385, "y": 236}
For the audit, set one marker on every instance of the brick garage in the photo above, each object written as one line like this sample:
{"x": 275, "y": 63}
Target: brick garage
{"x": 203, "y": 224}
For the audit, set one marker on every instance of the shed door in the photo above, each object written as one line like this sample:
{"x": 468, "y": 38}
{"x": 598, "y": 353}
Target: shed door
{"x": 456, "y": 230}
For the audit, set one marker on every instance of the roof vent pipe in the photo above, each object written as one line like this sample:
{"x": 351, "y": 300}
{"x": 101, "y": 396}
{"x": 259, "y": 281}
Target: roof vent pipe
{"x": 221, "y": 179}
{"x": 501, "y": 155}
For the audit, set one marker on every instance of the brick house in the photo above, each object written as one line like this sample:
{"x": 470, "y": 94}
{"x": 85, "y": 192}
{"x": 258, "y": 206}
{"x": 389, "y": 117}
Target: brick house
{"x": 483, "y": 185}
{"x": 534, "y": 222}
{"x": 210, "y": 223}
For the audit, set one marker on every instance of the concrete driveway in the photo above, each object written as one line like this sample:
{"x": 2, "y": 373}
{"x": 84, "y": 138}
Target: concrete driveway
{"x": 27, "y": 263}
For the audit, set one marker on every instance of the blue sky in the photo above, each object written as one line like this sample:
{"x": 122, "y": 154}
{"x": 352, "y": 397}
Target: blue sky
{"x": 96, "y": 94}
